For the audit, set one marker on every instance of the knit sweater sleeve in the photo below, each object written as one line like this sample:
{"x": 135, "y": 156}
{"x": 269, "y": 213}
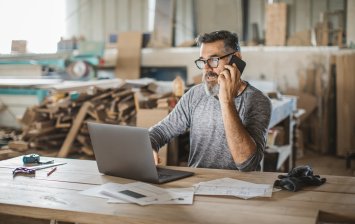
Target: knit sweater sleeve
{"x": 176, "y": 123}
{"x": 256, "y": 121}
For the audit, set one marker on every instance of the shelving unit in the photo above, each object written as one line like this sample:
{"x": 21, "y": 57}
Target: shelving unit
{"x": 282, "y": 115}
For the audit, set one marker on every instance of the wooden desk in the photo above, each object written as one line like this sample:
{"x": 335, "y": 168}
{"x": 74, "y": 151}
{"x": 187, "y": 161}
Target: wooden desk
{"x": 57, "y": 197}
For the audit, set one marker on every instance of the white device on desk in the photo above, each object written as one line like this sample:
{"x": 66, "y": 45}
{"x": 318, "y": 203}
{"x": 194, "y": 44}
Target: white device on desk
{"x": 126, "y": 151}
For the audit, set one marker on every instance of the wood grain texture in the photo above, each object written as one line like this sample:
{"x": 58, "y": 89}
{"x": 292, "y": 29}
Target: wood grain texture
{"x": 57, "y": 197}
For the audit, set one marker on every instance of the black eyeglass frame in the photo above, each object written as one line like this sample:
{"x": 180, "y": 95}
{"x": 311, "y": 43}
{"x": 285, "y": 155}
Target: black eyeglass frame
{"x": 209, "y": 59}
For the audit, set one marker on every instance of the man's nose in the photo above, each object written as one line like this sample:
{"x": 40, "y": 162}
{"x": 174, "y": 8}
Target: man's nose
{"x": 207, "y": 67}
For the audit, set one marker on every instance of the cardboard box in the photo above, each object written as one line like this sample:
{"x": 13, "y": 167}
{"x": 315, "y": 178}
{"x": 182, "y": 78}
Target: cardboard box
{"x": 19, "y": 46}
{"x": 149, "y": 117}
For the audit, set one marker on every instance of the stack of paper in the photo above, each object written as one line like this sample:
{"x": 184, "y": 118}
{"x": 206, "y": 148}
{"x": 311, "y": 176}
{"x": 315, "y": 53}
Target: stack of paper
{"x": 233, "y": 187}
{"x": 141, "y": 193}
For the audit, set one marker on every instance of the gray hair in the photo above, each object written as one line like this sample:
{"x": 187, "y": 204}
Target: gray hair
{"x": 231, "y": 40}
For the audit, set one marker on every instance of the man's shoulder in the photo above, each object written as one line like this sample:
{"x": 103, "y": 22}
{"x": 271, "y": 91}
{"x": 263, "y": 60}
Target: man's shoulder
{"x": 253, "y": 91}
{"x": 197, "y": 90}
{"x": 256, "y": 95}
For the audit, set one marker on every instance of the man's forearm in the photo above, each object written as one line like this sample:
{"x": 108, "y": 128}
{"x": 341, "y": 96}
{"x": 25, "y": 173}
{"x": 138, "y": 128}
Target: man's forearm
{"x": 240, "y": 143}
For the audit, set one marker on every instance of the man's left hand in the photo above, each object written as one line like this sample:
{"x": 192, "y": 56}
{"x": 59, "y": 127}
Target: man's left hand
{"x": 156, "y": 157}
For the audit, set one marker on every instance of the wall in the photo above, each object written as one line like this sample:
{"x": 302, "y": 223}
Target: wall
{"x": 350, "y": 28}
{"x": 282, "y": 65}
{"x": 97, "y": 19}
{"x": 218, "y": 15}
{"x": 184, "y": 22}
{"x": 286, "y": 66}
{"x": 302, "y": 14}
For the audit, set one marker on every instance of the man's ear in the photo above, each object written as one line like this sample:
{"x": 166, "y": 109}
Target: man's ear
{"x": 238, "y": 54}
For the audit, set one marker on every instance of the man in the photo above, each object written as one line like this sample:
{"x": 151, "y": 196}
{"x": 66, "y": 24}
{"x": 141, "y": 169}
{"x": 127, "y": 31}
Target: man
{"x": 227, "y": 117}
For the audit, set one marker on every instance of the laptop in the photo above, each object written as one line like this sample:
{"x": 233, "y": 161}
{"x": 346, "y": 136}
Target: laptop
{"x": 125, "y": 151}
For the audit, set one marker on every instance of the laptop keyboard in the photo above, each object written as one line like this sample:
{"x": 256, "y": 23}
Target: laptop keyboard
{"x": 163, "y": 173}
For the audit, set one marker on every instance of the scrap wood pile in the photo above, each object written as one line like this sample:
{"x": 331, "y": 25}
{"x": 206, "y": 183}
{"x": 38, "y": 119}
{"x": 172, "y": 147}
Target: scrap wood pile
{"x": 8, "y": 135}
{"x": 60, "y": 122}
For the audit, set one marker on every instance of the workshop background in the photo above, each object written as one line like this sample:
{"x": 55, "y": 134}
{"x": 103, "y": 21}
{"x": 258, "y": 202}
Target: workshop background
{"x": 64, "y": 63}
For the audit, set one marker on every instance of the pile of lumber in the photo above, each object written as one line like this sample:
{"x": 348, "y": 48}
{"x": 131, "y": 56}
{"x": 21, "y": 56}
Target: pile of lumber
{"x": 8, "y": 135}
{"x": 60, "y": 122}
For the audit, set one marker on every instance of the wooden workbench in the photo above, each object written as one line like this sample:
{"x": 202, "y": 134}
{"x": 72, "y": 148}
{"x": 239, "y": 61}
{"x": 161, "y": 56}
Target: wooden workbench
{"x": 57, "y": 197}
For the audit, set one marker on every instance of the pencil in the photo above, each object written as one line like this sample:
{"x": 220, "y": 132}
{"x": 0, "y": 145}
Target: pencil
{"x": 52, "y": 170}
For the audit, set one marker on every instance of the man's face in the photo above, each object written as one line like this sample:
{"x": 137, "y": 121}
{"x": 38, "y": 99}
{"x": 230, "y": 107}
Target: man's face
{"x": 210, "y": 75}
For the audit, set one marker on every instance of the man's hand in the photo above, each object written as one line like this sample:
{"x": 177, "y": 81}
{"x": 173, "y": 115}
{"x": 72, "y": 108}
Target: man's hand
{"x": 156, "y": 157}
{"x": 230, "y": 82}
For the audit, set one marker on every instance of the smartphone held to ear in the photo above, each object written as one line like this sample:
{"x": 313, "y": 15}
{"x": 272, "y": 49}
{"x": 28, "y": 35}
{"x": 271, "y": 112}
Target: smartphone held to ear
{"x": 239, "y": 62}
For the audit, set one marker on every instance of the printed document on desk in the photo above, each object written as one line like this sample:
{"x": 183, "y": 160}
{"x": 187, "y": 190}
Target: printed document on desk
{"x": 233, "y": 187}
{"x": 97, "y": 192}
{"x": 180, "y": 196}
{"x": 108, "y": 191}
{"x": 141, "y": 193}
{"x": 137, "y": 192}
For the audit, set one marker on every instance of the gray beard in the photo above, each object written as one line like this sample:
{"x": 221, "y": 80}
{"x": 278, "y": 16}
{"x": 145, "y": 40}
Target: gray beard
{"x": 211, "y": 86}
{"x": 211, "y": 89}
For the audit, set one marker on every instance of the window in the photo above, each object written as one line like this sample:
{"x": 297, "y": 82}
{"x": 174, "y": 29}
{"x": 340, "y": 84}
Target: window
{"x": 40, "y": 22}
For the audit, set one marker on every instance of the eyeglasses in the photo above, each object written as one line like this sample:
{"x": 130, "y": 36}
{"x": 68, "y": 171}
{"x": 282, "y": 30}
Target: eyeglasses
{"x": 212, "y": 61}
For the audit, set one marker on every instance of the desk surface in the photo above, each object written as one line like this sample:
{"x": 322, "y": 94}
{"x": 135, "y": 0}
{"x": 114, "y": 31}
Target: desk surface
{"x": 57, "y": 197}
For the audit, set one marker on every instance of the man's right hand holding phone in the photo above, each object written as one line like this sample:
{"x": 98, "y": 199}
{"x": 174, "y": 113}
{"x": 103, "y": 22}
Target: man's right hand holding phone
{"x": 230, "y": 80}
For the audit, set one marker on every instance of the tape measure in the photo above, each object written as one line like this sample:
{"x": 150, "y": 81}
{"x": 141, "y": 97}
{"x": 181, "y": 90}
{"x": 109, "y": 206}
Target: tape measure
{"x": 34, "y": 158}
{"x": 31, "y": 158}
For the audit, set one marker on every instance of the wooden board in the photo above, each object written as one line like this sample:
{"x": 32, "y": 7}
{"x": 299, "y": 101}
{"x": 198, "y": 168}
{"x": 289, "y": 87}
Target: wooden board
{"x": 345, "y": 93}
{"x": 276, "y": 20}
{"x": 163, "y": 24}
{"x": 129, "y": 55}
{"x": 78, "y": 121}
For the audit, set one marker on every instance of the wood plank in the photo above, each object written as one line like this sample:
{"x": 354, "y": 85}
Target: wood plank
{"x": 20, "y": 146}
{"x": 340, "y": 70}
{"x": 65, "y": 149}
{"x": 129, "y": 57}
{"x": 276, "y": 19}
{"x": 351, "y": 95}
{"x": 162, "y": 35}
{"x": 345, "y": 109}
{"x": 10, "y": 219}
{"x": 6, "y": 153}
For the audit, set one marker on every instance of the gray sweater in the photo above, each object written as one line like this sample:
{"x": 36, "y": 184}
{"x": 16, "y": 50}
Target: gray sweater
{"x": 201, "y": 114}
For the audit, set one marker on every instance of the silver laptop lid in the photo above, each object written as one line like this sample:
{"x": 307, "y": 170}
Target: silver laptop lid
{"x": 123, "y": 151}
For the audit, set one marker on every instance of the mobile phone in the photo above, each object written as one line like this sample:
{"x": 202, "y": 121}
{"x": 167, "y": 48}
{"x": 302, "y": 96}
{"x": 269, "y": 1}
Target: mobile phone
{"x": 239, "y": 62}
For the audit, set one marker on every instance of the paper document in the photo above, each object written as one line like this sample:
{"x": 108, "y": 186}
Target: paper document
{"x": 182, "y": 196}
{"x": 136, "y": 192}
{"x": 97, "y": 192}
{"x": 233, "y": 187}
{"x": 141, "y": 193}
